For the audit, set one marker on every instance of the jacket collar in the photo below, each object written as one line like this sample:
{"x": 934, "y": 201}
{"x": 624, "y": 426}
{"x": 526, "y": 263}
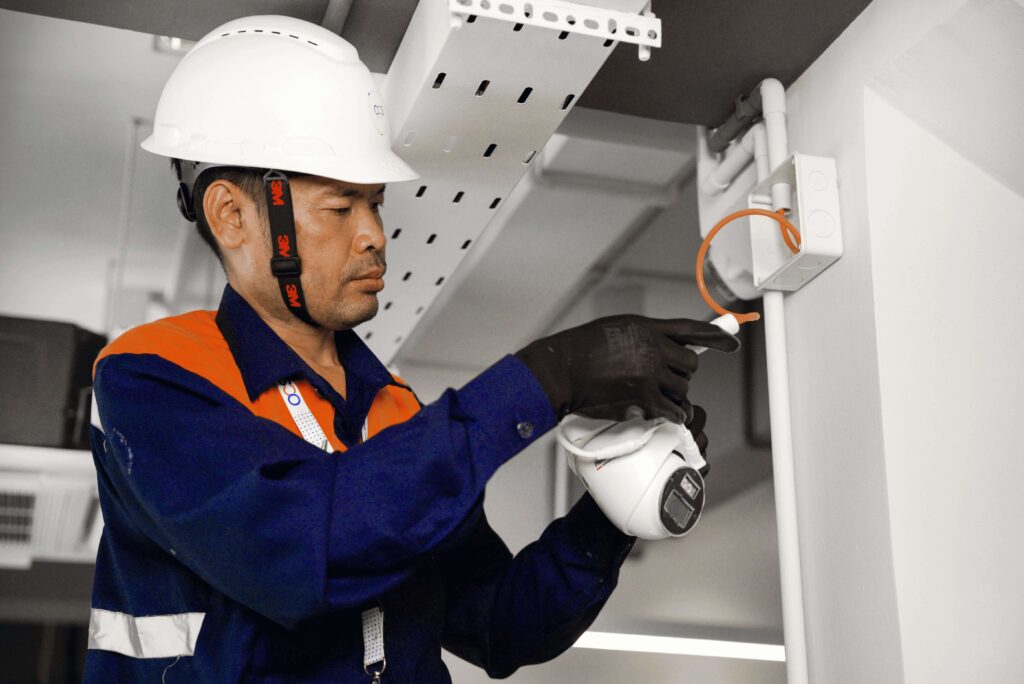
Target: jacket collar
{"x": 265, "y": 360}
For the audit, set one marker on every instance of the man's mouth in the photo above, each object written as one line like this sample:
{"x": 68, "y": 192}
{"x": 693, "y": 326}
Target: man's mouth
{"x": 375, "y": 274}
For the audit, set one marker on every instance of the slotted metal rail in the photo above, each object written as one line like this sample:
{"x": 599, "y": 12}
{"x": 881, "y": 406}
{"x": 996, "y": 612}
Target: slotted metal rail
{"x": 475, "y": 91}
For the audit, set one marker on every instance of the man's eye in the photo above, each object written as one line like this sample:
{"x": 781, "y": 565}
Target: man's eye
{"x": 340, "y": 210}
{"x": 376, "y": 205}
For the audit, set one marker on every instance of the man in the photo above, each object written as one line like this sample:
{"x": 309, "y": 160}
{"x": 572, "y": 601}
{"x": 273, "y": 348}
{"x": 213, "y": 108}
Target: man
{"x": 278, "y": 506}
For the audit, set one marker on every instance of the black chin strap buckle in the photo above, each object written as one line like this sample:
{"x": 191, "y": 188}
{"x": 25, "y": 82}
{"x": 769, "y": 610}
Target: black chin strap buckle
{"x": 286, "y": 267}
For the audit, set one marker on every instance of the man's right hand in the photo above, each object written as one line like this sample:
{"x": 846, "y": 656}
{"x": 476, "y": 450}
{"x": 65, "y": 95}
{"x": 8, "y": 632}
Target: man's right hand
{"x": 602, "y": 368}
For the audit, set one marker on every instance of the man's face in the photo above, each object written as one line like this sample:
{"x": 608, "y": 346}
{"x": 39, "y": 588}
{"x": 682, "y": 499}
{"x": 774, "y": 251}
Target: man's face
{"x": 341, "y": 242}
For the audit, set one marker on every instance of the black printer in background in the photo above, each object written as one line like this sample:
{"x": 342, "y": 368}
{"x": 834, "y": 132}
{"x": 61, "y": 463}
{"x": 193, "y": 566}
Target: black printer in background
{"x": 46, "y": 382}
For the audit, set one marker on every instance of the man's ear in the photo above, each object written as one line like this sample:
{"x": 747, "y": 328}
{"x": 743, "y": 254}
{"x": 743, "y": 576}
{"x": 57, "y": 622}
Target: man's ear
{"x": 223, "y": 212}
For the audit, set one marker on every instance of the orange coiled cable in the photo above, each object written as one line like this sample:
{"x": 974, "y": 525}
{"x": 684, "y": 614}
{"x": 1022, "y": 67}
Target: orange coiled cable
{"x": 789, "y": 233}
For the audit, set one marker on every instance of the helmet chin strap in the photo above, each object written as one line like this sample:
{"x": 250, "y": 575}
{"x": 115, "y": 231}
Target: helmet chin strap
{"x": 285, "y": 263}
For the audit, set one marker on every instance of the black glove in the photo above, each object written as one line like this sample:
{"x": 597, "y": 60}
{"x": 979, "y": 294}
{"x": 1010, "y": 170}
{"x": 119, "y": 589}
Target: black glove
{"x": 601, "y": 368}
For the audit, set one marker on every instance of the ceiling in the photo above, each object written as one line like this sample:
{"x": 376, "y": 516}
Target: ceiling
{"x": 713, "y": 51}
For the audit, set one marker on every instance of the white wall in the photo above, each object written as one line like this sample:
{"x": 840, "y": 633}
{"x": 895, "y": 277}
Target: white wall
{"x": 947, "y": 240}
{"x": 68, "y": 92}
{"x": 899, "y": 369}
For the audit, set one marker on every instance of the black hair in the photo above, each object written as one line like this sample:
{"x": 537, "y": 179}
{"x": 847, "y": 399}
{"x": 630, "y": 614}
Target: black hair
{"x": 249, "y": 181}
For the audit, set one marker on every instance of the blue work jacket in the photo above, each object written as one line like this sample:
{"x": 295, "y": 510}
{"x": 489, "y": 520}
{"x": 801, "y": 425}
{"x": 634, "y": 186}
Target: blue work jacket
{"x": 236, "y": 551}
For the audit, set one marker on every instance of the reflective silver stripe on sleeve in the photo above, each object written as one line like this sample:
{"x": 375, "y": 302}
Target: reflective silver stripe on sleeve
{"x": 151, "y": 636}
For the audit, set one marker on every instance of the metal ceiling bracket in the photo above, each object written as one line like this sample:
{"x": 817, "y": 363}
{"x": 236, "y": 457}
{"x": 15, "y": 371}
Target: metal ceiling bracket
{"x": 642, "y": 29}
{"x": 473, "y": 94}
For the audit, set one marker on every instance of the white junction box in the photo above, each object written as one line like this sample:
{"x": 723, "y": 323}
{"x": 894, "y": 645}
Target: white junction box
{"x": 815, "y": 214}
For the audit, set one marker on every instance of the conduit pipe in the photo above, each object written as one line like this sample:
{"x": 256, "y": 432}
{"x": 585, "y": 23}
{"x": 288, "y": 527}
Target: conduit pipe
{"x": 736, "y": 158}
{"x": 791, "y": 576}
{"x": 772, "y": 146}
{"x": 773, "y": 104}
{"x": 115, "y": 288}
{"x": 335, "y": 15}
{"x": 748, "y": 108}
{"x": 761, "y": 152}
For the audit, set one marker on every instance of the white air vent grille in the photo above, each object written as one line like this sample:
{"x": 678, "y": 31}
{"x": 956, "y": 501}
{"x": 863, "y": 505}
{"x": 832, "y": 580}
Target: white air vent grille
{"x": 17, "y": 511}
{"x": 49, "y": 508}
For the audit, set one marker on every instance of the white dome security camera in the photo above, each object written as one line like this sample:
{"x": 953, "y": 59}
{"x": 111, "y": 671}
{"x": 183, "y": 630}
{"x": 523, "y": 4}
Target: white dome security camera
{"x": 643, "y": 474}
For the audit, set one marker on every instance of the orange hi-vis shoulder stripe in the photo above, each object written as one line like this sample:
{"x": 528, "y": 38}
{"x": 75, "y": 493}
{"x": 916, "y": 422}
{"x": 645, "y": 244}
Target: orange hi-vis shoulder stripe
{"x": 194, "y": 342}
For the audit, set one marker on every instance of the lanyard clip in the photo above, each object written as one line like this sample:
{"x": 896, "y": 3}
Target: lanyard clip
{"x": 373, "y": 643}
{"x": 375, "y": 673}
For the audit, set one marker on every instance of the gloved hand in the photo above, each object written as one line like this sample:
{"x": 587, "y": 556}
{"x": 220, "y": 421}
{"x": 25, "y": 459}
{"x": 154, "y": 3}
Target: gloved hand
{"x": 602, "y": 368}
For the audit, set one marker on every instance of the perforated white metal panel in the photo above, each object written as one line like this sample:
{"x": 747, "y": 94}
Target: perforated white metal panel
{"x": 471, "y": 99}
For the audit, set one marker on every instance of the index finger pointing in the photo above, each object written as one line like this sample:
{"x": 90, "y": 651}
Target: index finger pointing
{"x": 711, "y": 338}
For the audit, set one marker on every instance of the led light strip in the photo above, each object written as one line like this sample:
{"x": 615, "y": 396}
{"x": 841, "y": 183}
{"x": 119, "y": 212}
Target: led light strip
{"x": 643, "y": 643}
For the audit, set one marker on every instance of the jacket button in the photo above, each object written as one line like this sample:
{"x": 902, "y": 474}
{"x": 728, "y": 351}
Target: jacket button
{"x": 525, "y": 429}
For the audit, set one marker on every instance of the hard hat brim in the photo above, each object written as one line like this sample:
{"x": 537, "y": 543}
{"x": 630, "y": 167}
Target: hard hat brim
{"x": 386, "y": 167}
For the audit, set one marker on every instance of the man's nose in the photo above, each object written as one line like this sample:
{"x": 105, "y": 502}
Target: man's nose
{"x": 369, "y": 232}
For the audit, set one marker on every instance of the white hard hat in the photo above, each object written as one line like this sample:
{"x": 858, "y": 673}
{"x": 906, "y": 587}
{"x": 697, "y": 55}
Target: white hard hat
{"x": 275, "y": 92}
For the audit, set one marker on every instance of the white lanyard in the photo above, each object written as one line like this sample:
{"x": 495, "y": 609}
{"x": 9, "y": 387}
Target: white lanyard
{"x": 373, "y": 619}
{"x": 306, "y": 421}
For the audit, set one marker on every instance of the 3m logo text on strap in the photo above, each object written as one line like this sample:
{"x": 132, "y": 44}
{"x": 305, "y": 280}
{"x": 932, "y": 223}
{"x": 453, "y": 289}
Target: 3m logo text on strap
{"x": 277, "y": 193}
{"x": 284, "y": 246}
{"x": 293, "y": 295}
